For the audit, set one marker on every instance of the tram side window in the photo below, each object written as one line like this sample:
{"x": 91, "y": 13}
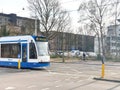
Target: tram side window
{"x": 10, "y": 50}
{"x": 32, "y": 50}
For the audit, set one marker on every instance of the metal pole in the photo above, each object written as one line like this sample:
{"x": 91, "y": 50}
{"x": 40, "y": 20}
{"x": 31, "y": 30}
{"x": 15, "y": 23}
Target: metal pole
{"x": 19, "y": 64}
{"x": 36, "y": 25}
{"x": 103, "y": 67}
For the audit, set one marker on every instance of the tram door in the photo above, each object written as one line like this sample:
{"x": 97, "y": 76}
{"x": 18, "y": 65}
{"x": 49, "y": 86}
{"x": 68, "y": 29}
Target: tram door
{"x": 24, "y": 52}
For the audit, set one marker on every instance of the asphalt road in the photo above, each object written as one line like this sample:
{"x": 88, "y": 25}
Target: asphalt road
{"x": 62, "y": 76}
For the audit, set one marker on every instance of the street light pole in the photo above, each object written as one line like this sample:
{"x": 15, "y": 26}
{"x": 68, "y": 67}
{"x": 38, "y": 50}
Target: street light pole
{"x": 36, "y": 26}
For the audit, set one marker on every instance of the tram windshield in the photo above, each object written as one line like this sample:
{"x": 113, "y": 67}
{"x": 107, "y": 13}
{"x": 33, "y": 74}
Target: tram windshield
{"x": 42, "y": 48}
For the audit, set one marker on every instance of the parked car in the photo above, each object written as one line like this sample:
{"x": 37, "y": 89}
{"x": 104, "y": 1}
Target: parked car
{"x": 75, "y": 53}
{"x": 60, "y": 53}
{"x": 93, "y": 54}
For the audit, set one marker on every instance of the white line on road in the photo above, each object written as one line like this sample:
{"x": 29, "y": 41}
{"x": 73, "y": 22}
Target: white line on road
{"x": 9, "y": 88}
{"x": 32, "y": 86}
{"x": 58, "y": 86}
{"x": 67, "y": 79}
{"x": 57, "y": 81}
{"x": 80, "y": 80}
{"x": 90, "y": 77}
{"x": 76, "y": 71}
{"x": 45, "y": 89}
{"x": 66, "y": 74}
{"x": 113, "y": 73}
{"x": 65, "y": 67}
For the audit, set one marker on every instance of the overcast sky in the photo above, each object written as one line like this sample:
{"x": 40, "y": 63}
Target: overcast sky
{"x": 16, "y": 6}
{"x": 71, "y": 6}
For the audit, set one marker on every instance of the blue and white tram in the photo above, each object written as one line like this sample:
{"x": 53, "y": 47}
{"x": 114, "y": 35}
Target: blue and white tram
{"x": 32, "y": 51}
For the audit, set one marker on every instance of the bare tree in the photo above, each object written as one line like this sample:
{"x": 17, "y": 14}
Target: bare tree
{"x": 95, "y": 12}
{"x": 97, "y": 35}
{"x": 50, "y": 15}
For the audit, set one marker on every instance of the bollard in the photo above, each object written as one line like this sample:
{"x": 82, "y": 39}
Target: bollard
{"x": 19, "y": 64}
{"x": 103, "y": 71}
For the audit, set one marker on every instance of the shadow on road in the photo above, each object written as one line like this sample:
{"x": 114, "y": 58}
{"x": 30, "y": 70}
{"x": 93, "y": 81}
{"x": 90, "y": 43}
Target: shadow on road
{"x": 108, "y": 80}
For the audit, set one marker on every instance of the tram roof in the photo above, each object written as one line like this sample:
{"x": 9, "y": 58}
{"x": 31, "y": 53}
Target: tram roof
{"x": 16, "y": 38}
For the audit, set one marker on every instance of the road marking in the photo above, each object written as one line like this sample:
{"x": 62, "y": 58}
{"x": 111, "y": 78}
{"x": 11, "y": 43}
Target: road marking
{"x": 65, "y": 67}
{"x": 32, "y": 86}
{"x": 76, "y": 70}
{"x": 80, "y": 72}
{"x": 68, "y": 74}
{"x": 58, "y": 86}
{"x": 80, "y": 80}
{"x": 114, "y": 73}
{"x": 90, "y": 77}
{"x": 9, "y": 88}
{"x": 72, "y": 82}
{"x": 57, "y": 81}
{"x": 49, "y": 71}
{"x": 67, "y": 79}
{"x": 45, "y": 89}
{"x": 75, "y": 77}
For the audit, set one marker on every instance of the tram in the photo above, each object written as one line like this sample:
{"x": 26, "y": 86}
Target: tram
{"x": 31, "y": 51}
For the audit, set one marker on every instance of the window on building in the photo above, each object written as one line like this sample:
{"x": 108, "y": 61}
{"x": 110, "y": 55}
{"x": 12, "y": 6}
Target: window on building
{"x": 113, "y": 50}
{"x": 0, "y": 20}
{"x": 119, "y": 37}
{"x": 109, "y": 30}
{"x": 10, "y": 50}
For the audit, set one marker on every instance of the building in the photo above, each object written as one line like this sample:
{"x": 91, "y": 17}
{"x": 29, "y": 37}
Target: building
{"x": 16, "y": 24}
{"x": 70, "y": 41}
{"x": 113, "y": 40}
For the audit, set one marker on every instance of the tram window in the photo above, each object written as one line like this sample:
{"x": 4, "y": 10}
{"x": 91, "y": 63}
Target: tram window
{"x": 10, "y": 50}
{"x": 32, "y": 50}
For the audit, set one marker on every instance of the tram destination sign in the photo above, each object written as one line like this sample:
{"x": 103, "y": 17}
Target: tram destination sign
{"x": 40, "y": 39}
